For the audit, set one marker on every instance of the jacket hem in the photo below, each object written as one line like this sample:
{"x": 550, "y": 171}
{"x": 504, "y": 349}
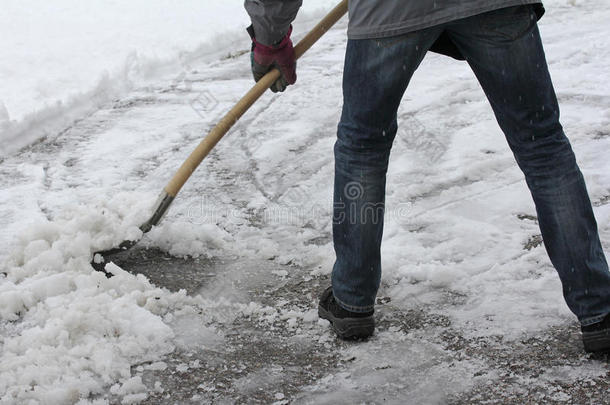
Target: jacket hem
{"x": 407, "y": 26}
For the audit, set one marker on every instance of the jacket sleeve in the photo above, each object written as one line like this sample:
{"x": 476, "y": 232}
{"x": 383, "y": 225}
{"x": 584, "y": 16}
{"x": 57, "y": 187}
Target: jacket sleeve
{"x": 271, "y": 19}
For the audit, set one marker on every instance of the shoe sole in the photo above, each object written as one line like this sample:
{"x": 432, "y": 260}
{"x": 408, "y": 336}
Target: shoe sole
{"x": 349, "y": 328}
{"x": 596, "y": 341}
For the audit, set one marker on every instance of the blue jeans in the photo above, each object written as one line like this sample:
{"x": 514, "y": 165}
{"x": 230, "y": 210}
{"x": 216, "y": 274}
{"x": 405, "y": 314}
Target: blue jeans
{"x": 504, "y": 50}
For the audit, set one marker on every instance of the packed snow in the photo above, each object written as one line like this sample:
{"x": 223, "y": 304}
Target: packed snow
{"x": 137, "y": 90}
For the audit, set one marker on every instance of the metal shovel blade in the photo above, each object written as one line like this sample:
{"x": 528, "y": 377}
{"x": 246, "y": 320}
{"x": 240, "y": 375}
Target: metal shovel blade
{"x": 102, "y": 257}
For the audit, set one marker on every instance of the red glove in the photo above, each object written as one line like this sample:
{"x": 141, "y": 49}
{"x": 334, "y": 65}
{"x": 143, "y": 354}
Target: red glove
{"x": 281, "y": 56}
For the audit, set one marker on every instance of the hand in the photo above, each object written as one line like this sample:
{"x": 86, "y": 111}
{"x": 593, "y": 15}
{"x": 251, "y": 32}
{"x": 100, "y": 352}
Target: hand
{"x": 281, "y": 56}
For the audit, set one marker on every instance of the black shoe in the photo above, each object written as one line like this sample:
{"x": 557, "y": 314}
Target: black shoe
{"x": 596, "y": 337}
{"x": 346, "y": 324}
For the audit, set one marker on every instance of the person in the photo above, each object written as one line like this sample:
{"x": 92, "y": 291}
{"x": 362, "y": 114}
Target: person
{"x": 387, "y": 40}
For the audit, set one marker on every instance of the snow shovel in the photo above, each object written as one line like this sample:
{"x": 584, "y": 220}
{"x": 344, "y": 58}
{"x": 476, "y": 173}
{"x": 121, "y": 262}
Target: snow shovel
{"x": 171, "y": 190}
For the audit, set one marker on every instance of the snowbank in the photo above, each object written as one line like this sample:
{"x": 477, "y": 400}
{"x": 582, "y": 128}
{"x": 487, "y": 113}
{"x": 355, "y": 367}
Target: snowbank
{"x": 61, "y": 60}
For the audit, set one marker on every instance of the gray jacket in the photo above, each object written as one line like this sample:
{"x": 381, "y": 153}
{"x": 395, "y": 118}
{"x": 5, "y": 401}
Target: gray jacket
{"x": 374, "y": 19}
{"x": 385, "y": 18}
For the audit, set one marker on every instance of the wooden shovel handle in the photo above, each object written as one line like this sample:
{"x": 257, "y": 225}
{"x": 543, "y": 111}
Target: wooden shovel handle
{"x": 225, "y": 124}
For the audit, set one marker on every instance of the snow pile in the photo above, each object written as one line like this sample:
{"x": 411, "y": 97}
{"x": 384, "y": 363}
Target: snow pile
{"x": 82, "y": 334}
{"x": 69, "y": 331}
{"x": 182, "y": 238}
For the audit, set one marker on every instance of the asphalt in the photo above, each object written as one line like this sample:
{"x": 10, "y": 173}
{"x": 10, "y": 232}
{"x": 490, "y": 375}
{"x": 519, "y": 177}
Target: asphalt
{"x": 257, "y": 362}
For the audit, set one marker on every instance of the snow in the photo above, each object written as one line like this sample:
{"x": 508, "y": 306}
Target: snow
{"x": 79, "y": 331}
{"x": 72, "y": 57}
{"x": 453, "y": 245}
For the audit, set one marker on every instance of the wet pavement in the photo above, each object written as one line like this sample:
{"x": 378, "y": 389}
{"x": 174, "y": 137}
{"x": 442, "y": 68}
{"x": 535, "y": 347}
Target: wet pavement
{"x": 257, "y": 360}
{"x": 253, "y": 362}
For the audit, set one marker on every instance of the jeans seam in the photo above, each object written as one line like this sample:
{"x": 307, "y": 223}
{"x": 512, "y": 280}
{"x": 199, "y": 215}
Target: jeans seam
{"x": 593, "y": 319}
{"x": 353, "y": 308}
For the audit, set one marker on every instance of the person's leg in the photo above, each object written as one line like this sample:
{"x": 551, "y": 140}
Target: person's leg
{"x": 376, "y": 75}
{"x": 505, "y": 52}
